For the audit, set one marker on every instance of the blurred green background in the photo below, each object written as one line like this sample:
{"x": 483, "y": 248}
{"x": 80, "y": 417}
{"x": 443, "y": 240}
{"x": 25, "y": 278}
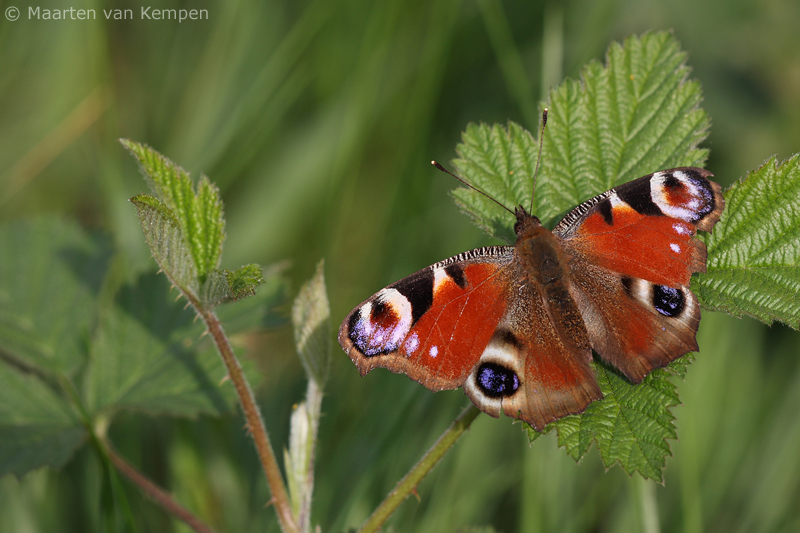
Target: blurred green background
{"x": 318, "y": 119}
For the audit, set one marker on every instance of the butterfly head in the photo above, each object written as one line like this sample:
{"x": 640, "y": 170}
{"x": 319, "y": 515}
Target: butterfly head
{"x": 526, "y": 223}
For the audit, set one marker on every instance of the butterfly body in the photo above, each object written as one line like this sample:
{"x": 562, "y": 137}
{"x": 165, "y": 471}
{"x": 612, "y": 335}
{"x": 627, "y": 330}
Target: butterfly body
{"x": 516, "y": 325}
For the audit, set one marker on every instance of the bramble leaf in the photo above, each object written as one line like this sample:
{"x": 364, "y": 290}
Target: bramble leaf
{"x": 185, "y": 229}
{"x": 311, "y": 316}
{"x": 227, "y": 286}
{"x": 50, "y": 272}
{"x": 62, "y": 353}
{"x": 148, "y": 356}
{"x": 198, "y": 214}
{"x": 37, "y": 427}
{"x": 167, "y": 244}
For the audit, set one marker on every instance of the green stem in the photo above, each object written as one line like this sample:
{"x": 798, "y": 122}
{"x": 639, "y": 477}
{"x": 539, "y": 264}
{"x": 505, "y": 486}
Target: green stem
{"x": 159, "y": 495}
{"x": 647, "y": 495}
{"x": 409, "y": 483}
{"x": 314, "y": 409}
{"x": 97, "y": 435}
{"x": 255, "y": 424}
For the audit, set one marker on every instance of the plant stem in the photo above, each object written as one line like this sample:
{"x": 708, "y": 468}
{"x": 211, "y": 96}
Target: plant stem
{"x": 647, "y": 495}
{"x": 254, "y": 423}
{"x": 313, "y": 410}
{"x": 159, "y": 495}
{"x": 409, "y": 483}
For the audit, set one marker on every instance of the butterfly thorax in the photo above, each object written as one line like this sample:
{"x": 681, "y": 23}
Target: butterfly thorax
{"x": 545, "y": 269}
{"x": 543, "y": 258}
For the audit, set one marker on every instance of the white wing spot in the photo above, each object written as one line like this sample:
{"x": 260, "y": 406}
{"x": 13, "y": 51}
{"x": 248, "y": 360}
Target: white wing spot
{"x": 434, "y": 351}
{"x": 675, "y": 248}
{"x": 411, "y": 344}
{"x": 682, "y": 229}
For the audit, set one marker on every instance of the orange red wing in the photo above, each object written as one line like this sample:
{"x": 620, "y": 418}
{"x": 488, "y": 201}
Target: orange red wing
{"x": 434, "y": 324}
{"x": 634, "y": 251}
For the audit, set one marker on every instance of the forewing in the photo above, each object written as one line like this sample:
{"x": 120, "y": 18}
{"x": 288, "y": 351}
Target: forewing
{"x": 432, "y": 325}
{"x": 645, "y": 228}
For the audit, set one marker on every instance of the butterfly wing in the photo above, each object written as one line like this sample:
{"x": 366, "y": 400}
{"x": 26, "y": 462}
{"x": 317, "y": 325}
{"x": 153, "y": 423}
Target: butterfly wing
{"x": 432, "y": 325}
{"x": 530, "y": 370}
{"x": 634, "y": 251}
{"x": 468, "y": 321}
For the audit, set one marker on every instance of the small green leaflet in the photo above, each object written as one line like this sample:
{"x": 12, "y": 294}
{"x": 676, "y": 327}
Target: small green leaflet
{"x": 637, "y": 114}
{"x": 754, "y": 252}
{"x": 184, "y": 226}
{"x": 311, "y": 316}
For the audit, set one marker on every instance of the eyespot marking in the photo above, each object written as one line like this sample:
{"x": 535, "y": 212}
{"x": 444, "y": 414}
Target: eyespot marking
{"x": 496, "y": 381}
{"x": 379, "y": 326}
{"x": 668, "y": 301}
{"x": 683, "y": 194}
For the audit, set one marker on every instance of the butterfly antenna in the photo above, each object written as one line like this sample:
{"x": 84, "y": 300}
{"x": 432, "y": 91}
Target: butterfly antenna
{"x": 539, "y": 157}
{"x": 462, "y": 180}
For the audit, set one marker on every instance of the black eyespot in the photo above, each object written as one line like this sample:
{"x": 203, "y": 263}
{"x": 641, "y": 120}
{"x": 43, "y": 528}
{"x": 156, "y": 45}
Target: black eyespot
{"x": 668, "y": 301}
{"x": 497, "y": 381}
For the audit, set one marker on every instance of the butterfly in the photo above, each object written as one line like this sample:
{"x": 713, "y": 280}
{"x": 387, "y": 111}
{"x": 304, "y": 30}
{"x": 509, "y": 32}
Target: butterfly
{"x": 515, "y": 326}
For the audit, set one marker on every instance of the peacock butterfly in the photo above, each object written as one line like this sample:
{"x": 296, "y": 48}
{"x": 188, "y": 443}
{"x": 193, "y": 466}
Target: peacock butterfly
{"x": 516, "y": 325}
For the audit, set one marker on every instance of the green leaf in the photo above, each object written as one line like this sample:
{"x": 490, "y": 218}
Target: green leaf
{"x": 311, "y": 322}
{"x": 630, "y": 424}
{"x": 37, "y": 427}
{"x": 311, "y": 318}
{"x": 228, "y": 286}
{"x": 185, "y": 230}
{"x": 500, "y": 162}
{"x": 198, "y": 214}
{"x": 633, "y": 116}
{"x": 167, "y": 244}
{"x": 262, "y": 310}
{"x": 148, "y": 355}
{"x": 753, "y": 263}
{"x": 50, "y": 272}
